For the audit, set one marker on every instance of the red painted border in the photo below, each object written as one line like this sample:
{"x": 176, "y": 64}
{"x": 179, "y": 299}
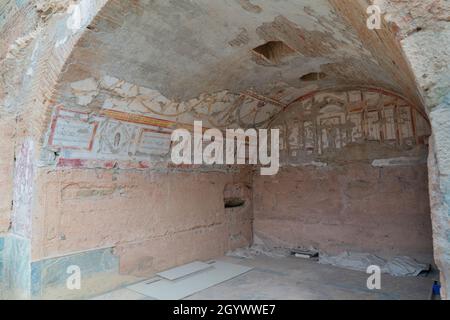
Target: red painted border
{"x": 55, "y": 121}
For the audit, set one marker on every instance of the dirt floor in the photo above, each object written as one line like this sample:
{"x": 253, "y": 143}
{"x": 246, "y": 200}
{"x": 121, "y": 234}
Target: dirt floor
{"x": 300, "y": 279}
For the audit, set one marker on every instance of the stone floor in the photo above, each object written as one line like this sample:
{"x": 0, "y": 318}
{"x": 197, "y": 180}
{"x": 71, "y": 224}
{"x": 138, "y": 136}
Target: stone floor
{"x": 300, "y": 279}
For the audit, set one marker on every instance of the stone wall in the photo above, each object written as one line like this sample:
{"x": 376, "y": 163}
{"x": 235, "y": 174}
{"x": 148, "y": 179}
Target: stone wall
{"x": 7, "y": 125}
{"x": 424, "y": 32}
{"x": 439, "y": 170}
{"x": 2, "y": 246}
{"x": 38, "y": 42}
{"x": 151, "y": 220}
{"x": 354, "y": 177}
{"x": 354, "y": 207}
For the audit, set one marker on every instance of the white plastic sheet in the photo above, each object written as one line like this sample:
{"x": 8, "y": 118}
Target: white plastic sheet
{"x": 399, "y": 266}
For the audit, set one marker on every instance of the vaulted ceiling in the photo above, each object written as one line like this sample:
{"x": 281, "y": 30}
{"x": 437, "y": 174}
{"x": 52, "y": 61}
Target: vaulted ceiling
{"x": 273, "y": 50}
{"x": 145, "y": 67}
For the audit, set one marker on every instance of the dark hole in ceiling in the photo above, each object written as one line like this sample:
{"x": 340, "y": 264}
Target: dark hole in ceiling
{"x": 274, "y": 51}
{"x": 313, "y": 76}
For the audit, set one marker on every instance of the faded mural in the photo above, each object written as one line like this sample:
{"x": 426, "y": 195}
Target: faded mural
{"x": 109, "y": 122}
{"x": 100, "y": 122}
{"x": 322, "y": 124}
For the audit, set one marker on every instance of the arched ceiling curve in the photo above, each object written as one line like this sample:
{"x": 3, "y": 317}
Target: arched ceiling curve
{"x": 145, "y": 67}
{"x": 187, "y": 49}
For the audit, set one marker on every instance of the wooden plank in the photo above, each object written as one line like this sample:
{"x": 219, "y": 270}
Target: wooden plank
{"x": 164, "y": 289}
{"x": 185, "y": 270}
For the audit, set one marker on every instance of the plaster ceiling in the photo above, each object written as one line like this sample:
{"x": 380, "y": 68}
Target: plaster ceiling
{"x": 280, "y": 49}
{"x": 145, "y": 67}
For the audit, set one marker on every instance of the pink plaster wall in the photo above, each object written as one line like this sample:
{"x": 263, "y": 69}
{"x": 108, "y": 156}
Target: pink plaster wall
{"x": 154, "y": 220}
{"x": 349, "y": 207}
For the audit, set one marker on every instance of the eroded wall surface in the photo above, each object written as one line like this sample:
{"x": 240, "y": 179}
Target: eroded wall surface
{"x": 114, "y": 124}
{"x": 6, "y": 170}
{"x": 424, "y": 33}
{"x": 354, "y": 177}
{"x": 353, "y": 207}
{"x": 151, "y": 221}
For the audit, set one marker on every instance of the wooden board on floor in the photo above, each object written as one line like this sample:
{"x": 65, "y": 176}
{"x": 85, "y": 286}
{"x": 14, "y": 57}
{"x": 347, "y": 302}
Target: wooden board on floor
{"x": 185, "y": 270}
{"x": 163, "y": 289}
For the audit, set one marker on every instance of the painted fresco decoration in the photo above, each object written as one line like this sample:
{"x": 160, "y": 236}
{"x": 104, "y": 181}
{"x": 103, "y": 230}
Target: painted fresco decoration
{"x": 103, "y": 122}
{"x": 218, "y": 110}
{"x": 109, "y": 122}
{"x": 326, "y": 122}
{"x": 82, "y": 139}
